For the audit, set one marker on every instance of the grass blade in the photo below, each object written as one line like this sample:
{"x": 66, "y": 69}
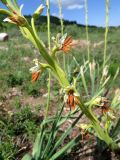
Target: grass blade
{"x": 64, "y": 135}
{"x": 27, "y": 157}
{"x": 116, "y": 130}
{"x": 70, "y": 145}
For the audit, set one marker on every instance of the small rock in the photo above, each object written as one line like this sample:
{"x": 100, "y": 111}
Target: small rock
{"x": 45, "y": 95}
{"x": 42, "y": 91}
{"x": 51, "y": 96}
{"x": 26, "y": 59}
{"x": 4, "y": 37}
{"x": 13, "y": 92}
{"x": 1, "y": 104}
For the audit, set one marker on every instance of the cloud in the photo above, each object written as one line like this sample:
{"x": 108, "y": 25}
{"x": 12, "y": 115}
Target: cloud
{"x": 75, "y": 6}
{"x": 70, "y": 4}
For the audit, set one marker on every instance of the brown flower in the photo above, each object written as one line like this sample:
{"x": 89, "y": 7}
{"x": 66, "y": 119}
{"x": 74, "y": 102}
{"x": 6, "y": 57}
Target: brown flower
{"x": 105, "y": 108}
{"x": 72, "y": 100}
{"x": 85, "y": 135}
{"x": 35, "y": 76}
{"x": 67, "y": 44}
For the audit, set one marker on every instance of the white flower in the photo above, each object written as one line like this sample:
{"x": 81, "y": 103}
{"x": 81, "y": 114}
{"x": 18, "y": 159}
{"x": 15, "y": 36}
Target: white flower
{"x": 36, "y": 68}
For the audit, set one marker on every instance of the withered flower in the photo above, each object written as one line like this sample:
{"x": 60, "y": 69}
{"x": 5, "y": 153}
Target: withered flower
{"x": 72, "y": 100}
{"x": 105, "y": 107}
{"x": 85, "y": 135}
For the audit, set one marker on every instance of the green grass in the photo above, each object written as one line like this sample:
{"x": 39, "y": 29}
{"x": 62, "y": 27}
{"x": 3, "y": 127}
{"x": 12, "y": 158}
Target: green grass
{"x": 20, "y": 125}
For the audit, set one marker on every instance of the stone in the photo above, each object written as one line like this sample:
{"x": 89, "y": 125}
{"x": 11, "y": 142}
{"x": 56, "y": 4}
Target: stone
{"x": 4, "y": 37}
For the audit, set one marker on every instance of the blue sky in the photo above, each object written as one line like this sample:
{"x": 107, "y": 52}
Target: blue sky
{"x": 74, "y": 10}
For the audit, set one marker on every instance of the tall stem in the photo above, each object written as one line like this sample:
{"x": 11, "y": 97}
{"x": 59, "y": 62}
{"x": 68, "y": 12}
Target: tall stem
{"x": 106, "y": 31}
{"x": 62, "y": 28}
{"x": 61, "y": 17}
{"x": 49, "y": 46}
{"x": 87, "y": 35}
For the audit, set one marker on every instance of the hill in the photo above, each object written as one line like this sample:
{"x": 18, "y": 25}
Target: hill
{"x": 43, "y": 20}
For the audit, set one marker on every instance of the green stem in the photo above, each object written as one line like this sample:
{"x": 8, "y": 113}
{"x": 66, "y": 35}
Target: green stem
{"x": 61, "y": 17}
{"x": 62, "y": 29}
{"x": 48, "y": 23}
{"x": 49, "y": 46}
{"x": 106, "y": 32}
{"x": 48, "y": 99}
{"x": 56, "y": 69}
{"x": 33, "y": 26}
{"x": 87, "y": 35}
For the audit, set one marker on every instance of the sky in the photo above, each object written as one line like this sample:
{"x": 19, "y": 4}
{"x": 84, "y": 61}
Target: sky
{"x": 73, "y": 10}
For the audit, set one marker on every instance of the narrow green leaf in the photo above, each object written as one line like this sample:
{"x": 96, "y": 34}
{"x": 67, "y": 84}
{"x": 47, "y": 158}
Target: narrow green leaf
{"x": 53, "y": 132}
{"x": 16, "y": 5}
{"x": 4, "y": 11}
{"x": 68, "y": 146}
{"x": 38, "y": 144}
{"x": 27, "y": 157}
{"x": 116, "y": 129}
{"x": 58, "y": 143}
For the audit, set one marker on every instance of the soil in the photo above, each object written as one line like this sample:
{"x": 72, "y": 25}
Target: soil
{"x": 87, "y": 149}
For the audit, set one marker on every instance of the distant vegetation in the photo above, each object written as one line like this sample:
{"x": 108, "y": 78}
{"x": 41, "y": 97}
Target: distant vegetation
{"x": 71, "y": 27}
{"x": 41, "y": 22}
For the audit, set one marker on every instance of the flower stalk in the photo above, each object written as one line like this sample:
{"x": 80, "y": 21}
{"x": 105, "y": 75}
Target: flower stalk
{"x": 49, "y": 47}
{"x": 87, "y": 35}
{"x": 106, "y": 31}
{"x": 62, "y": 28}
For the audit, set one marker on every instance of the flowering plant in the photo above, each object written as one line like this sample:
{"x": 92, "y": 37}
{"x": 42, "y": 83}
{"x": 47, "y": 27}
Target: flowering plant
{"x": 73, "y": 98}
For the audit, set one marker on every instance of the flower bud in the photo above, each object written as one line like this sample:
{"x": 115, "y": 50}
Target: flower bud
{"x": 19, "y": 20}
{"x": 38, "y": 11}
